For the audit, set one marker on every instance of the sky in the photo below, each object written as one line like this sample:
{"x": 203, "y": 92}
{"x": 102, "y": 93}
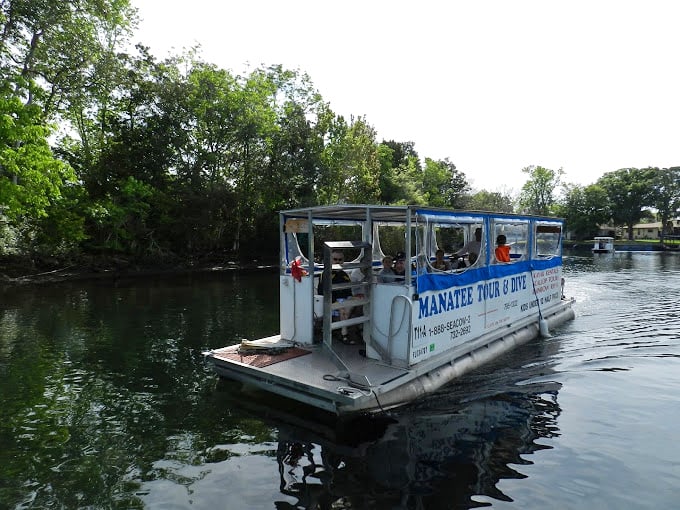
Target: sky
{"x": 588, "y": 86}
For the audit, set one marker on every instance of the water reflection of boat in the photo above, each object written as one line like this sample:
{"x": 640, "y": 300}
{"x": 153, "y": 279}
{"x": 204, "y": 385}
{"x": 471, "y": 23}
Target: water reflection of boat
{"x": 440, "y": 452}
{"x": 417, "y": 331}
{"x": 423, "y": 459}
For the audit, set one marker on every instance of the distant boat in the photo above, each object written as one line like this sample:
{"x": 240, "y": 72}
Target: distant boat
{"x": 603, "y": 245}
{"x": 379, "y": 339}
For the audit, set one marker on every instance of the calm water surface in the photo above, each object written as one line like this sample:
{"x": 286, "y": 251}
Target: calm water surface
{"x": 105, "y": 402}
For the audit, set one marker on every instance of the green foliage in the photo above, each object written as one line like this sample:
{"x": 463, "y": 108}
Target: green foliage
{"x": 35, "y": 187}
{"x": 59, "y": 48}
{"x": 584, "y": 209}
{"x": 181, "y": 158}
{"x": 29, "y": 173}
{"x": 407, "y": 179}
{"x": 488, "y": 201}
{"x": 666, "y": 194}
{"x": 401, "y": 152}
{"x": 442, "y": 184}
{"x": 119, "y": 222}
{"x": 537, "y": 195}
{"x": 350, "y": 164}
{"x": 51, "y": 58}
{"x": 61, "y": 231}
{"x": 629, "y": 191}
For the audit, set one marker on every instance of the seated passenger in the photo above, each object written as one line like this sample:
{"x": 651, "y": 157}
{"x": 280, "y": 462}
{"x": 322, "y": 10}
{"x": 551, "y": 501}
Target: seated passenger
{"x": 337, "y": 276}
{"x": 400, "y": 267}
{"x": 386, "y": 274}
{"x": 439, "y": 262}
{"x": 502, "y": 250}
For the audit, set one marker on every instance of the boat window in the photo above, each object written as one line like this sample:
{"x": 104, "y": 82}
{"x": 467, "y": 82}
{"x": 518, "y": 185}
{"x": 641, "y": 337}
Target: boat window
{"x": 452, "y": 238}
{"x": 328, "y": 232}
{"x": 548, "y": 240}
{"x": 516, "y": 234}
{"x": 390, "y": 239}
{"x": 449, "y": 236}
{"x": 444, "y": 237}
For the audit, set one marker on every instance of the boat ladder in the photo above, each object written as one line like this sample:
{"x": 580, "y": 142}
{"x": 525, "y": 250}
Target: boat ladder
{"x": 355, "y": 304}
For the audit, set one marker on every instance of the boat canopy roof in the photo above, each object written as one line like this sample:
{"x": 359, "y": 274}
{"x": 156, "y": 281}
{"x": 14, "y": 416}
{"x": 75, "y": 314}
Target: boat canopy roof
{"x": 389, "y": 213}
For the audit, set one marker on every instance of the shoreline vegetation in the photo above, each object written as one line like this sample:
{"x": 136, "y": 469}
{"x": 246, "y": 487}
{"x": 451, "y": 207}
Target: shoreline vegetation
{"x": 110, "y": 154}
{"x": 19, "y": 271}
{"x": 15, "y": 271}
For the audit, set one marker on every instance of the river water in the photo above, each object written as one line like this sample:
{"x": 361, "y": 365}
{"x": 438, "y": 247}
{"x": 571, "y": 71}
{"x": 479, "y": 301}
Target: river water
{"x": 105, "y": 402}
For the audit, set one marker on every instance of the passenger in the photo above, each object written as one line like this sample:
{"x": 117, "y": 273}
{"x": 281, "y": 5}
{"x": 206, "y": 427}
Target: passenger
{"x": 386, "y": 274}
{"x": 471, "y": 250}
{"x": 502, "y": 250}
{"x": 339, "y": 295}
{"x": 338, "y": 276}
{"x": 439, "y": 262}
{"x": 400, "y": 267}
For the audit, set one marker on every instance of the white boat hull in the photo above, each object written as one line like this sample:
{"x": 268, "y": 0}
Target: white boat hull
{"x": 314, "y": 379}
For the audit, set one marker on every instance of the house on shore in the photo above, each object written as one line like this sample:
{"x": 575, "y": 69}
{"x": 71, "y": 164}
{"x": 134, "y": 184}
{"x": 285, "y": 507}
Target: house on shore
{"x": 649, "y": 231}
{"x": 646, "y": 232}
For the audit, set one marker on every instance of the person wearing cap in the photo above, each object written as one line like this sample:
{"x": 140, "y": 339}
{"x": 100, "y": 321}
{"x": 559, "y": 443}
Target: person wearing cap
{"x": 400, "y": 266}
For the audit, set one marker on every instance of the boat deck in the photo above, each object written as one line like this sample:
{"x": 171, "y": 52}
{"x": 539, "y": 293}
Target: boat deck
{"x": 311, "y": 371}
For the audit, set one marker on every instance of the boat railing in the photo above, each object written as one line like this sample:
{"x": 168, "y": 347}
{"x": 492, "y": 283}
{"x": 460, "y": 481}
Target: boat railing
{"x": 392, "y": 334}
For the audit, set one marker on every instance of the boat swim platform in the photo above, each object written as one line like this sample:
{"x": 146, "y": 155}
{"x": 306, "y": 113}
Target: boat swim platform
{"x": 368, "y": 385}
{"x": 313, "y": 377}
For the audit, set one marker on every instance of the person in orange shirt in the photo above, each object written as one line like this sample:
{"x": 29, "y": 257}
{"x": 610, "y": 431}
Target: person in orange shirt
{"x": 502, "y": 250}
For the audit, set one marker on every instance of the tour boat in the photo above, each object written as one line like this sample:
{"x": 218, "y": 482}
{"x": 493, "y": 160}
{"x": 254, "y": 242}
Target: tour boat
{"x": 603, "y": 244}
{"x": 408, "y": 335}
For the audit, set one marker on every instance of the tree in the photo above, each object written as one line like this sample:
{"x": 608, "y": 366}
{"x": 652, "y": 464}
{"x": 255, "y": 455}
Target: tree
{"x": 57, "y": 48}
{"x": 361, "y": 163}
{"x": 389, "y": 189}
{"x": 31, "y": 178}
{"x": 400, "y": 176}
{"x": 351, "y": 166}
{"x": 584, "y": 209}
{"x": 666, "y": 195}
{"x": 442, "y": 184}
{"x": 51, "y": 59}
{"x": 292, "y": 175}
{"x": 489, "y": 201}
{"x": 629, "y": 191}
{"x": 401, "y": 152}
{"x": 408, "y": 180}
{"x": 536, "y": 196}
